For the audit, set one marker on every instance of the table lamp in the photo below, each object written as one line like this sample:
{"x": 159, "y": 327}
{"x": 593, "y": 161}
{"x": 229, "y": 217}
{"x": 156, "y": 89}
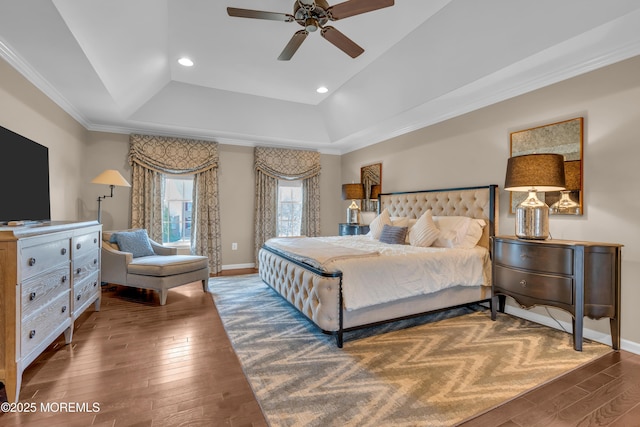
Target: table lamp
{"x": 353, "y": 192}
{"x": 533, "y": 173}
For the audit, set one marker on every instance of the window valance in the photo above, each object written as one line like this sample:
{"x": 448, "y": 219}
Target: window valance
{"x": 288, "y": 164}
{"x": 179, "y": 156}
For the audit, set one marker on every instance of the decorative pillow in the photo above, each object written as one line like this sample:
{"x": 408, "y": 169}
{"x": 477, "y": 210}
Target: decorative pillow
{"x": 136, "y": 242}
{"x": 376, "y": 226}
{"x": 424, "y": 232}
{"x": 393, "y": 235}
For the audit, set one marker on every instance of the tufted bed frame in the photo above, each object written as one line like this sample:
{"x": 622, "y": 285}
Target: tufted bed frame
{"x": 317, "y": 294}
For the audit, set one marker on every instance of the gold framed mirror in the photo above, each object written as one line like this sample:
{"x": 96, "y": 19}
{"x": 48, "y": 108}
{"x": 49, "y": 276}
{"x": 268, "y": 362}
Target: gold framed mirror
{"x": 566, "y": 138}
{"x": 371, "y": 179}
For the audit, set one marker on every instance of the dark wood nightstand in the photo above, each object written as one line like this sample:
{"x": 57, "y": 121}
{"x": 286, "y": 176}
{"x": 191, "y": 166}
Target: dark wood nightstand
{"x": 352, "y": 229}
{"x": 582, "y": 278}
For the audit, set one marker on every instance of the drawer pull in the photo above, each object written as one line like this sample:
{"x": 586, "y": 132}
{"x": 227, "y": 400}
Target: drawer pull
{"x": 64, "y": 278}
{"x": 95, "y": 284}
{"x": 79, "y": 297}
{"x": 32, "y": 262}
{"x": 78, "y": 246}
{"x": 78, "y": 270}
{"x": 32, "y": 296}
{"x": 32, "y": 333}
{"x": 63, "y": 251}
{"x": 64, "y": 308}
{"x": 95, "y": 240}
{"x": 95, "y": 261}
{"x": 523, "y": 283}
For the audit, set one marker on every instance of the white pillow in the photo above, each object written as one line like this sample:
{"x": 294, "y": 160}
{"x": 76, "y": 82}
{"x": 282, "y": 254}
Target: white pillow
{"x": 376, "y": 226}
{"x": 424, "y": 232}
{"x": 458, "y": 231}
{"x": 399, "y": 221}
{"x": 367, "y": 217}
{"x": 474, "y": 233}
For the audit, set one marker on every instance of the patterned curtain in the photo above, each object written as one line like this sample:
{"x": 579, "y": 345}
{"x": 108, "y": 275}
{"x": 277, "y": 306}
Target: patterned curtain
{"x": 272, "y": 164}
{"x": 153, "y": 156}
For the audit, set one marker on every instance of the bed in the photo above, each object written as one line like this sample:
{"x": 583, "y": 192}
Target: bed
{"x": 339, "y": 291}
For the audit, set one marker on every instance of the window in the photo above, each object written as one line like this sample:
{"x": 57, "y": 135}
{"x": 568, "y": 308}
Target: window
{"x": 177, "y": 209}
{"x": 289, "y": 208}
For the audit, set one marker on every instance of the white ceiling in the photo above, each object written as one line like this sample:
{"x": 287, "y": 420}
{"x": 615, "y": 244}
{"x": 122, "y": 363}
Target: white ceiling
{"x": 113, "y": 66}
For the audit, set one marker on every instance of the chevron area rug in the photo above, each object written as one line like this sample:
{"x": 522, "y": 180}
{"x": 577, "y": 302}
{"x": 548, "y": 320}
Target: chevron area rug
{"x": 448, "y": 368}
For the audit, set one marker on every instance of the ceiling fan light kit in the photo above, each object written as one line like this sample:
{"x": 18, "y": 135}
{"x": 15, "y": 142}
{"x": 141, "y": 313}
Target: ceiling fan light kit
{"x": 313, "y": 15}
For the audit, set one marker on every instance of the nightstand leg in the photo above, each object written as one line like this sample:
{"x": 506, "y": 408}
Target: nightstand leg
{"x": 615, "y": 332}
{"x": 498, "y": 303}
{"x": 577, "y": 333}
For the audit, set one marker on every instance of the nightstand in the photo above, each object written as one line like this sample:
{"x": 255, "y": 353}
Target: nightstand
{"x": 352, "y": 229}
{"x": 582, "y": 278}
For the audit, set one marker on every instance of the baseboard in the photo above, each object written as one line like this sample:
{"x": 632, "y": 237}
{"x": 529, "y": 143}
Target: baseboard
{"x": 238, "y": 266}
{"x": 630, "y": 346}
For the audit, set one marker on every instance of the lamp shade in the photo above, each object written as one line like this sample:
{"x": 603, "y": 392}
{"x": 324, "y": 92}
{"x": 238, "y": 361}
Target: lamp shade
{"x": 352, "y": 191}
{"x": 111, "y": 177}
{"x": 375, "y": 191}
{"x": 544, "y": 172}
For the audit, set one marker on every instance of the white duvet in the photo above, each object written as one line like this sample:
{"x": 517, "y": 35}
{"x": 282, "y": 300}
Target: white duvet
{"x": 379, "y": 272}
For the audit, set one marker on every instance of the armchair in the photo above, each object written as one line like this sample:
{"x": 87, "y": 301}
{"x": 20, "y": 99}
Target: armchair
{"x": 159, "y": 270}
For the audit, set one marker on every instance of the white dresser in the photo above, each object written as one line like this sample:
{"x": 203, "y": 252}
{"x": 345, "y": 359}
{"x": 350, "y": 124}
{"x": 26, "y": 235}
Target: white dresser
{"x": 49, "y": 275}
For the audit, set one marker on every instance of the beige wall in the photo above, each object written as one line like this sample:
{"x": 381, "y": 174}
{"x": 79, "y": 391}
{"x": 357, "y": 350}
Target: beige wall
{"x": 473, "y": 150}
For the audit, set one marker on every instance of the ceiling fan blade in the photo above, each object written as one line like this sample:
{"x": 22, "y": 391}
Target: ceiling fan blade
{"x": 293, "y": 45}
{"x": 356, "y": 7}
{"x": 259, "y": 14}
{"x": 341, "y": 41}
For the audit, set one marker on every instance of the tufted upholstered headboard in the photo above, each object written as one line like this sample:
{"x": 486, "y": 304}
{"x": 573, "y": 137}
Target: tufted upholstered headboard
{"x": 474, "y": 202}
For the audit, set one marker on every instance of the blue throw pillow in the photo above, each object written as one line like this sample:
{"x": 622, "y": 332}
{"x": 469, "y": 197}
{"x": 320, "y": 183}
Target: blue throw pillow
{"x": 136, "y": 242}
{"x": 393, "y": 235}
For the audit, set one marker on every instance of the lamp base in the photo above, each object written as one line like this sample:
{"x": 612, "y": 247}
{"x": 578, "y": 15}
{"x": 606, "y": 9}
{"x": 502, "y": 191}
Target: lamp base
{"x": 353, "y": 213}
{"x": 532, "y": 218}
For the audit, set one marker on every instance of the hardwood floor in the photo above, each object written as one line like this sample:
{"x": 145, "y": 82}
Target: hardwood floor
{"x": 149, "y": 365}
{"x": 144, "y": 365}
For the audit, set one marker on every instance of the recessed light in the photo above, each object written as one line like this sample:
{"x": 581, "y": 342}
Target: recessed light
{"x": 185, "y": 62}
{"x": 322, "y": 89}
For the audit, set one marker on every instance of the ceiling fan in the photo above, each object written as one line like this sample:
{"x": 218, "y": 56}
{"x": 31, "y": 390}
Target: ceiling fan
{"x": 313, "y": 15}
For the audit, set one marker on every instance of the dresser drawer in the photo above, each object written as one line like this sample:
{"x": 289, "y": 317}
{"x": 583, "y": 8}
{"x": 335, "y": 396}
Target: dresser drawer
{"x": 85, "y": 243}
{"x": 39, "y": 290}
{"x": 84, "y": 292}
{"x": 43, "y": 322}
{"x": 85, "y": 265}
{"x": 540, "y": 257}
{"x": 38, "y": 258}
{"x": 543, "y": 287}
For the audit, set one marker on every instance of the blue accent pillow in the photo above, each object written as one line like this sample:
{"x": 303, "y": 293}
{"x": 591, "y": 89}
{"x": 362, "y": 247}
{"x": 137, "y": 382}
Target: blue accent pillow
{"x": 136, "y": 242}
{"x": 393, "y": 235}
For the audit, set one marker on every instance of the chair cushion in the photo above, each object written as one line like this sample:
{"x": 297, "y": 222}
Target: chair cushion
{"x": 166, "y": 265}
{"x": 136, "y": 242}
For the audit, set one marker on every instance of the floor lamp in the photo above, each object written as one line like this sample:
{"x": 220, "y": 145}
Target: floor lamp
{"x": 110, "y": 177}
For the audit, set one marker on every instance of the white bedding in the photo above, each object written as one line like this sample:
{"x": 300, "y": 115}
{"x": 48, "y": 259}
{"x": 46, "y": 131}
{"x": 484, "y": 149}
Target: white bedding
{"x": 379, "y": 272}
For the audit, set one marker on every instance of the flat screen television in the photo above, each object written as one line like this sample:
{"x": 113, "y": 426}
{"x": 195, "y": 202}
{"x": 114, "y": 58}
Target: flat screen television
{"x": 24, "y": 179}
